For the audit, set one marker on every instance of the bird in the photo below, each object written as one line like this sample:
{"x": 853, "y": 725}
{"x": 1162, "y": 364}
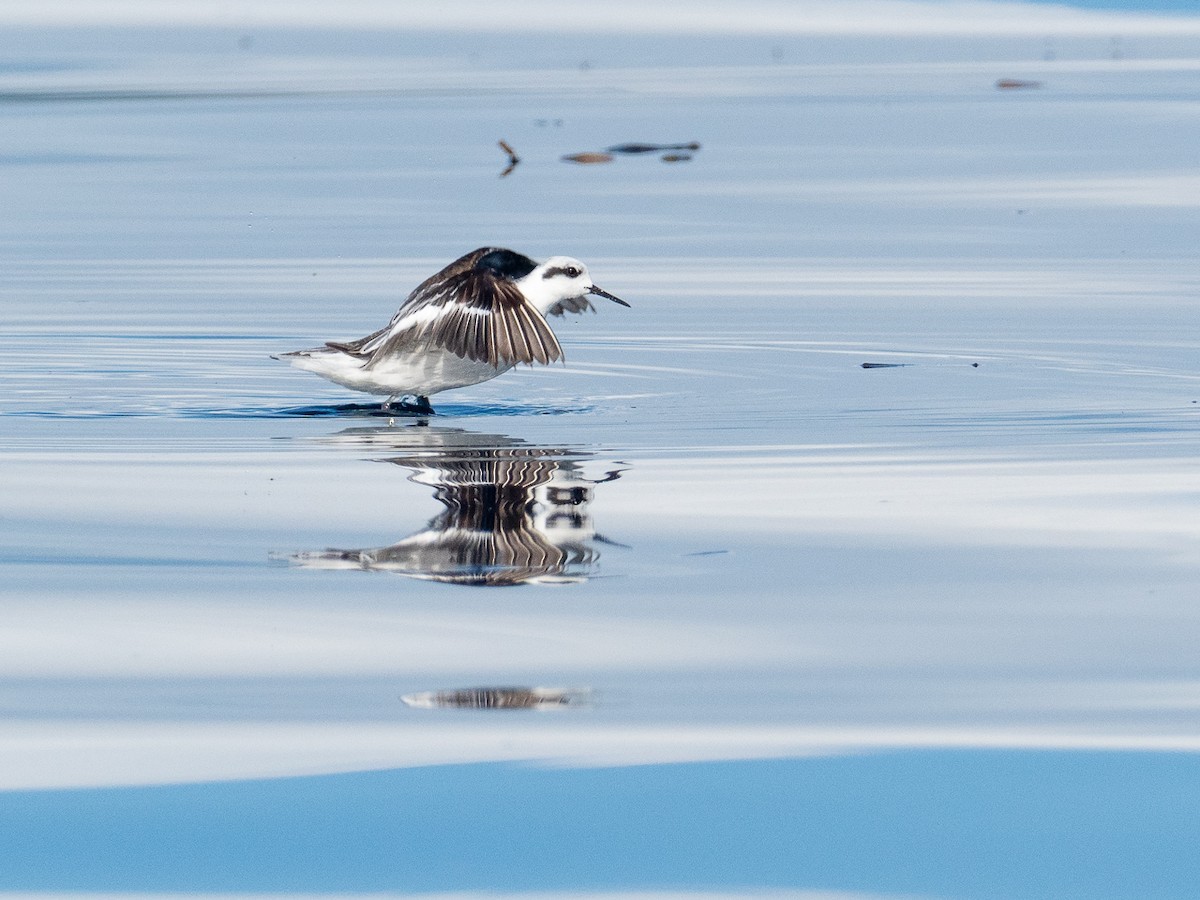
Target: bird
{"x": 475, "y": 319}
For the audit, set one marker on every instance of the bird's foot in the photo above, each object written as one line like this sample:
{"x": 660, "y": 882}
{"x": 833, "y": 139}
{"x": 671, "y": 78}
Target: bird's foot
{"x": 418, "y": 406}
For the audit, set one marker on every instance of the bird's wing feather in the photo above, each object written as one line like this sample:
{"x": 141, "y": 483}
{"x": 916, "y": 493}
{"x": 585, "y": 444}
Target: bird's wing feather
{"x": 356, "y": 348}
{"x": 571, "y": 305}
{"x": 471, "y": 310}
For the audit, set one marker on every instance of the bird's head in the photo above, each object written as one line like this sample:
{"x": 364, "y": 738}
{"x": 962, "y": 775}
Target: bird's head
{"x": 561, "y": 278}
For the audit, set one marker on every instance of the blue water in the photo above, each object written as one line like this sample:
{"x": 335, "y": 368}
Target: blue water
{"x": 923, "y": 627}
{"x": 946, "y": 824}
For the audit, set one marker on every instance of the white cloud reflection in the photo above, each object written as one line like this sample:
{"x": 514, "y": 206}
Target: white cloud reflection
{"x": 1155, "y": 190}
{"x": 1036, "y": 589}
{"x": 49, "y": 755}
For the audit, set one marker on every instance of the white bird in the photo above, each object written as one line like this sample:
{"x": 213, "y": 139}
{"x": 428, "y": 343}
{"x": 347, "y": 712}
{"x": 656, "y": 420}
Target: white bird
{"x": 476, "y": 319}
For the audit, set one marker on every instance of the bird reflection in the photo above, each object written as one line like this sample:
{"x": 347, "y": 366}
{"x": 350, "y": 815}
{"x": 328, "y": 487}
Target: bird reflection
{"x": 513, "y": 513}
{"x": 498, "y": 698}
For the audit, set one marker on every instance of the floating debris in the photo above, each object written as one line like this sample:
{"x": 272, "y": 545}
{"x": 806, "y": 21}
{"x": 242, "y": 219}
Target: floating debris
{"x": 513, "y": 159}
{"x": 671, "y": 153}
{"x": 1017, "y": 84}
{"x": 870, "y": 365}
{"x": 496, "y": 698}
{"x": 652, "y": 148}
{"x": 588, "y": 158}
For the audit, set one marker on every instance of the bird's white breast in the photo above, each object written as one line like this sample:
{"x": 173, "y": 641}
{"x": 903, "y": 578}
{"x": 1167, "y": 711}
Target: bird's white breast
{"x": 424, "y": 373}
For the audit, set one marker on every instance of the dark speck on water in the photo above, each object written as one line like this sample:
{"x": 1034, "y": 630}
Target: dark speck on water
{"x": 588, "y": 158}
{"x": 1017, "y": 84}
{"x": 651, "y": 148}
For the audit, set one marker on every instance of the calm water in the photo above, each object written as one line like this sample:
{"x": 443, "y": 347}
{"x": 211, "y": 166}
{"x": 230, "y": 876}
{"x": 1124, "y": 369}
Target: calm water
{"x": 761, "y": 618}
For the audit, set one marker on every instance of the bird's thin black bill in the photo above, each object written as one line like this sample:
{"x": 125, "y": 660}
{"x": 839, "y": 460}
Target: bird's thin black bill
{"x": 603, "y": 293}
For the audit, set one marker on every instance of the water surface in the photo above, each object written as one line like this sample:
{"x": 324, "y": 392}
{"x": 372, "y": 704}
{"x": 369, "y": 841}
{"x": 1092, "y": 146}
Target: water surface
{"x": 923, "y": 627}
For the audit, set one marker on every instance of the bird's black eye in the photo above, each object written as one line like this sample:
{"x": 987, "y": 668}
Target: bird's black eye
{"x": 572, "y": 272}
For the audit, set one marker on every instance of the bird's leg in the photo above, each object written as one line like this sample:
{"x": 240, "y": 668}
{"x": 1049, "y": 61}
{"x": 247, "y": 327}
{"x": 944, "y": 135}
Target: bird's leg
{"x": 412, "y": 403}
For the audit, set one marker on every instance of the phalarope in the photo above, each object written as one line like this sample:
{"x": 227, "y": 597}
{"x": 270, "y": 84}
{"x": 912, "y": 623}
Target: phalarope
{"x": 476, "y": 319}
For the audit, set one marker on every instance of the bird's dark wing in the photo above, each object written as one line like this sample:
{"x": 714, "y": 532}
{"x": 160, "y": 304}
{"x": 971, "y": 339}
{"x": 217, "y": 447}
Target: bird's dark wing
{"x": 473, "y": 309}
{"x": 571, "y": 305}
{"x": 485, "y": 317}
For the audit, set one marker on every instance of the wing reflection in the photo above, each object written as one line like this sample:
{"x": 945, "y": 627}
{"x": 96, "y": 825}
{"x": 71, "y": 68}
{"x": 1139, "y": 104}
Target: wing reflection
{"x": 498, "y": 698}
{"x": 514, "y": 513}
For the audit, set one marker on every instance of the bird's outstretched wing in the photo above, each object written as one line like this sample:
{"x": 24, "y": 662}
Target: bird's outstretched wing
{"x": 571, "y": 305}
{"x": 471, "y": 308}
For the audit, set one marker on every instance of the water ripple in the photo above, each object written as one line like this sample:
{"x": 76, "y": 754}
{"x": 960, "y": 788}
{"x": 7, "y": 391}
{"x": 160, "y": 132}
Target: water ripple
{"x": 309, "y": 411}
